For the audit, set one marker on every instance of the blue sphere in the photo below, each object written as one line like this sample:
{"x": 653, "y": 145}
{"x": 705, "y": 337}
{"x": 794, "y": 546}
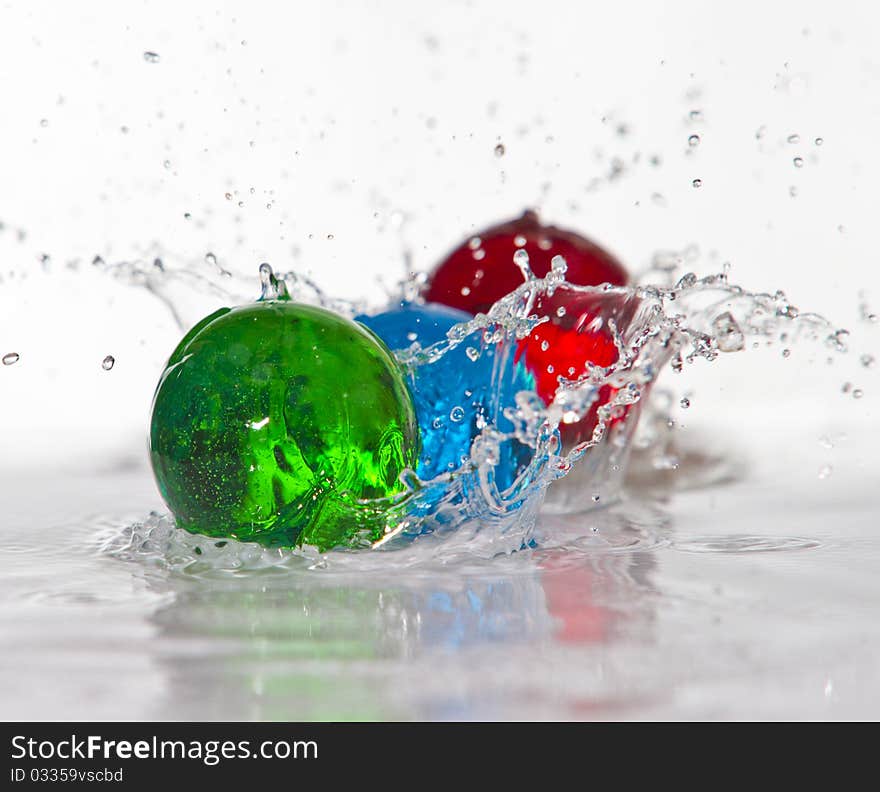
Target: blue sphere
{"x": 454, "y": 396}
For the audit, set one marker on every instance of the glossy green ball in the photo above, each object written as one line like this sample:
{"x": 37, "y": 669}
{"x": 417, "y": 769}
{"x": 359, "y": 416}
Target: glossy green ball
{"x": 283, "y": 424}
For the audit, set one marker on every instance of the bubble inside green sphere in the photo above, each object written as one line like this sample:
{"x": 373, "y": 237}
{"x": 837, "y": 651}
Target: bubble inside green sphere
{"x": 283, "y": 424}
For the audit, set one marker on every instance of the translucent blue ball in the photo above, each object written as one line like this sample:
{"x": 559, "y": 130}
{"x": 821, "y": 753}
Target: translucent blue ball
{"x": 454, "y": 396}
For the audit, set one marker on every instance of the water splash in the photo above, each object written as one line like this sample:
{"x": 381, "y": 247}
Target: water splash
{"x": 469, "y": 511}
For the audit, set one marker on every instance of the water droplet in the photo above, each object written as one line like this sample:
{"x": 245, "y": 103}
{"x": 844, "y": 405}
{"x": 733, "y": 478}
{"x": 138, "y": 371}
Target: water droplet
{"x": 728, "y": 335}
{"x": 151, "y": 57}
{"x": 818, "y": 141}
{"x": 108, "y": 362}
{"x": 760, "y": 132}
{"x": 456, "y": 414}
{"x": 798, "y": 162}
{"x": 560, "y": 311}
{"x": 694, "y": 141}
{"x": 44, "y": 122}
{"x": 272, "y": 288}
{"x": 867, "y": 360}
{"x": 521, "y": 259}
{"x": 472, "y": 353}
{"x": 500, "y": 150}
{"x": 559, "y": 265}
{"x": 837, "y": 340}
{"x": 695, "y": 115}
{"x": 10, "y": 358}
{"x": 847, "y": 387}
{"x": 686, "y": 281}
{"x": 786, "y": 353}
{"x": 474, "y": 243}
{"x": 545, "y": 345}
{"x": 519, "y": 240}
{"x": 858, "y": 393}
{"x": 795, "y": 138}
{"x": 697, "y": 183}
{"x": 595, "y": 498}
{"x": 211, "y": 260}
{"x": 685, "y": 402}
{"x": 187, "y": 216}
{"x": 167, "y": 164}
{"x": 228, "y": 196}
{"x": 330, "y": 237}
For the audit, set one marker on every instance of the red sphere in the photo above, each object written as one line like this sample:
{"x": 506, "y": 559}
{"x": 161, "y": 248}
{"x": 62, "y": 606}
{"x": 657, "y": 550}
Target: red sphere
{"x": 481, "y": 271}
{"x": 567, "y": 345}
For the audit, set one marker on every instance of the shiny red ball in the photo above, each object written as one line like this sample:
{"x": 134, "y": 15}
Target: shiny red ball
{"x": 567, "y": 345}
{"x": 481, "y": 271}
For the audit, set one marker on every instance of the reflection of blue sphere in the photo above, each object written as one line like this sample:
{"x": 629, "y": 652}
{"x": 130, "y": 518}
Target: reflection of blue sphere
{"x": 454, "y": 395}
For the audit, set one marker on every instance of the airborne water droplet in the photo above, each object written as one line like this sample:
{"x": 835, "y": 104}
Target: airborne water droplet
{"x": 795, "y": 138}
{"x": 685, "y": 403}
{"x": 151, "y": 57}
{"x": 108, "y": 362}
{"x": 272, "y": 288}
{"x": 798, "y": 162}
{"x": 500, "y": 150}
{"x": 521, "y": 259}
{"x": 696, "y": 183}
{"x": 694, "y": 141}
{"x": 10, "y": 358}
{"x": 559, "y": 265}
{"x": 728, "y": 335}
{"x": 867, "y": 360}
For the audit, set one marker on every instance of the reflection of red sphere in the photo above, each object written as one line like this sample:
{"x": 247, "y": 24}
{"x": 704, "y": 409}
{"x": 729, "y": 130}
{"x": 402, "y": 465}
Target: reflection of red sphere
{"x": 566, "y": 346}
{"x": 481, "y": 271}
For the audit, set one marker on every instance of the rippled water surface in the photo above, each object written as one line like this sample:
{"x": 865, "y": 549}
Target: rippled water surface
{"x": 753, "y": 596}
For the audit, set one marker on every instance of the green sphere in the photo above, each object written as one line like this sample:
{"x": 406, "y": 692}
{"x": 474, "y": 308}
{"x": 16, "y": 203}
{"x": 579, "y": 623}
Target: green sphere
{"x": 283, "y": 424}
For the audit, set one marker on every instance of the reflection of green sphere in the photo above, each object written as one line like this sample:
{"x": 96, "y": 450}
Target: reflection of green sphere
{"x": 274, "y": 422}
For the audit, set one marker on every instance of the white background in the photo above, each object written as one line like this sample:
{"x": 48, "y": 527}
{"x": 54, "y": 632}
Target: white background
{"x": 370, "y": 128}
